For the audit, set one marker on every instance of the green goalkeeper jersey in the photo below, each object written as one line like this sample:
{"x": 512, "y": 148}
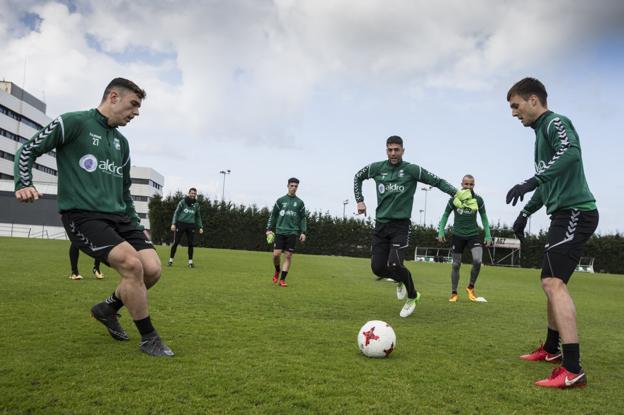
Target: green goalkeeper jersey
{"x": 558, "y": 167}
{"x": 288, "y": 216}
{"x": 93, "y": 163}
{"x": 396, "y": 185}
{"x": 465, "y": 223}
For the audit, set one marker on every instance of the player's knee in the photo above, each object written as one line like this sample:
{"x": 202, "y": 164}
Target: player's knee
{"x": 456, "y": 265}
{"x": 379, "y": 269}
{"x": 476, "y": 263}
{"x": 151, "y": 273}
{"x": 130, "y": 266}
{"x": 551, "y": 285}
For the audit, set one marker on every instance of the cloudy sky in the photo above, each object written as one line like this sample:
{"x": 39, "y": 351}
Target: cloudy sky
{"x": 277, "y": 88}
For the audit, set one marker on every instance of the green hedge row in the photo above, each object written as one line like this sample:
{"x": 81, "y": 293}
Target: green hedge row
{"x": 242, "y": 227}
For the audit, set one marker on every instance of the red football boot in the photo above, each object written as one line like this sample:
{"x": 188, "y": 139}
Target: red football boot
{"x": 282, "y": 283}
{"x": 561, "y": 378}
{"x": 275, "y": 277}
{"x": 541, "y": 354}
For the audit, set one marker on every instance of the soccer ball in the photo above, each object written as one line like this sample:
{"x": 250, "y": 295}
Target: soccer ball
{"x": 376, "y": 339}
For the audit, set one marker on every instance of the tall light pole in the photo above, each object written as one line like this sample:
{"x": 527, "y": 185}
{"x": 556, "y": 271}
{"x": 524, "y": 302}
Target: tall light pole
{"x": 426, "y": 190}
{"x": 420, "y": 221}
{"x": 344, "y": 207}
{"x": 224, "y": 172}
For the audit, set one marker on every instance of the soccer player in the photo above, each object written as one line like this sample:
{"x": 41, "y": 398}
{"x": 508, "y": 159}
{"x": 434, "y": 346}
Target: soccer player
{"x": 74, "y": 252}
{"x": 466, "y": 233}
{"x": 94, "y": 199}
{"x": 186, "y": 219}
{"x": 561, "y": 187}
{"x": 396, "y": 181}
{"x": 289, "y": 220}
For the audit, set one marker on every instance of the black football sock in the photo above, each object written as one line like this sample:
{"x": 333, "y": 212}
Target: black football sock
{"x": 571, "y": 357}
{"x": 145, "y": 326}
{"x": 552, "y": 341}
{"x": 114, "y": 302}
{"x": 277, "y": 268}
{"x": 284, "y": 273}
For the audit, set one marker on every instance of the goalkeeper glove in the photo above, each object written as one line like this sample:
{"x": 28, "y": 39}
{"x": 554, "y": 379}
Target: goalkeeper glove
{"x": 519, "y": 190}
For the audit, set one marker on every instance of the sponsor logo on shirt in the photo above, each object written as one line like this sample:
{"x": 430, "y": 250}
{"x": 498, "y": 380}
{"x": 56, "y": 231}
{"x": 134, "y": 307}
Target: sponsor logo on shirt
{"x": 390, "y": 188}
{"x": 187, "y": 210}
{"x": 116, "y": 143}
{"x": 287, "y": 213}
{"x": 90, "y": 163}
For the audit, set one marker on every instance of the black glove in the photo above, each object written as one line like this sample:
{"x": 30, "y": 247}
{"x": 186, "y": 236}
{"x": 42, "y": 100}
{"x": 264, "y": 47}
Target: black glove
{"x": 519, "y": 225}
{"x": 519, "y": 190}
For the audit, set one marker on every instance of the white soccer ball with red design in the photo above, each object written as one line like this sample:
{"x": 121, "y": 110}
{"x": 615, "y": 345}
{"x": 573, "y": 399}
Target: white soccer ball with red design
{"x": 376, "y": 339}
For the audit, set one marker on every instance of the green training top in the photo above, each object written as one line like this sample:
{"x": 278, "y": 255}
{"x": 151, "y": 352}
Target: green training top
{"x": 395, "y": 187}
{"x": 288, "y": 216}
{"x": 93, "y": 162}
{"x": 558, "y": 167}
{"x": 185, "y": 213}
{"x": 465, "y": 220}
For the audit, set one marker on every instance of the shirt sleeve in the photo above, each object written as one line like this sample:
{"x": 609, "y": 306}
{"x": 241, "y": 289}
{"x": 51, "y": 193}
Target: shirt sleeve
{"x": 360, "y": 176}
{"x": 484, "y": 219}
{"x": 303, "y": 225}
{"x": 174, "y": 219}
{"x": 273, "y": 217}
{"x": 198, "y": 219}
{"x": 62, "y": 130}
{"x": 444, "y": 219}
{"x": 424, "y": 176}
{"x": 563, "y": 139}
{"x": 535, "y": 203}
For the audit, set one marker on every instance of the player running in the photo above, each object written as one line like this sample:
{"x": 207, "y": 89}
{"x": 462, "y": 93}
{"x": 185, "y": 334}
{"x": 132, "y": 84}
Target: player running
{"x": 94, "y": 199}
{"x": 396, "y": 181}
{"x": 466, "y": 233}
{"x": 186, "y": 219}
{"x": 562, "y": 188}
{"x": 289, "y": 220}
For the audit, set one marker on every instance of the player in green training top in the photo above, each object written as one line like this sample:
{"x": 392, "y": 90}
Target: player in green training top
{"x": 289, "y": 220}
{"x": 561, "y": 187}
{"x": 186, "y": 219}
{"x": 396, "y": 182}
{"x": 94, "y": 199}
{"x": 466, "y": 233}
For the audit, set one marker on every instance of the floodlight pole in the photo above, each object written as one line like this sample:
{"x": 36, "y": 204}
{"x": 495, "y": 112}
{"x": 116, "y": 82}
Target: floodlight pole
{"x": 344, "y": 207}
{"x": 421, "y": 216}
{"x": 426, "y": 190}
{"x": 224, "y": 172}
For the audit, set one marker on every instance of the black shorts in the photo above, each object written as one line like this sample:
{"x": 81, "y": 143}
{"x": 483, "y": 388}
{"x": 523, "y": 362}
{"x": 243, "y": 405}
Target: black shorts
{"x": 568, "y": 232}
{"x": 96, "y": 234}
{"x": 285, "y": 242}
{"x": 460, "y": 243}
{"x": 394, "y": 234}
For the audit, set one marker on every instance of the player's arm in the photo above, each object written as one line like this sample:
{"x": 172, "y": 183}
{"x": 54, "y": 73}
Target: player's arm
{"x": 363, "y": 174}
{"x": 485, "y": 222}
{"x": 563, "y": 139}
{"x": 174, "y": 218}
{"x": 443, "y": 220}
{"x": 303, "y": 224}
{"x": 127, "y": 196}
{"x": 198, "y": 220}
{"x": 51, "y": 136}
{"x": 272, "y": 218}
{"x": 426, "y": 177}
{"x": 531, "y": 207}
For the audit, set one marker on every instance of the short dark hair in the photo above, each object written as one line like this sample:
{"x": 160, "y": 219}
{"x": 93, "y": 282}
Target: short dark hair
{"x": 470, "y": 176}
{"x": 192, "y": 189}
{"x": 394, "y": 139}
{"x": 527, "y": 87}
{"x": 293, "y": 180}
{"x": 124, "y": 84}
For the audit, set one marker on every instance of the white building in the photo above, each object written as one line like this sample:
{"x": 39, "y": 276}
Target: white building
{"x": 21, "y": 116}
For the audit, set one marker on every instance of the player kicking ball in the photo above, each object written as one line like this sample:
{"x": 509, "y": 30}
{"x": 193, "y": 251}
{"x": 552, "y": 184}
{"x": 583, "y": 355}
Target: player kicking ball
{"x": 396, "y": 182}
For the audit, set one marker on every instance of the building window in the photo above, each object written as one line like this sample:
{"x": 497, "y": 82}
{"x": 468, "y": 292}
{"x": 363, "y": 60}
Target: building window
{"x": 139, "y": 181}
{"x": 142, "y": 215}
{"x": 140, "y": 198}
{"x": 20, "y": 118}
{"x": 5, "y": 176}
{"x": 21, "y": 140}
{"x": 5, "y": 155}
{"x": 155, "y": 185}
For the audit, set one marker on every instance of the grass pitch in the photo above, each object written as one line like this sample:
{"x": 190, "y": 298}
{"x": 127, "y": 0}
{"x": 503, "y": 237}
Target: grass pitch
{"x": 244, "y": 345}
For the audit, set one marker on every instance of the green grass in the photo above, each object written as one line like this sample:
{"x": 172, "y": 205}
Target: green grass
{"x": 246, "y": 346}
